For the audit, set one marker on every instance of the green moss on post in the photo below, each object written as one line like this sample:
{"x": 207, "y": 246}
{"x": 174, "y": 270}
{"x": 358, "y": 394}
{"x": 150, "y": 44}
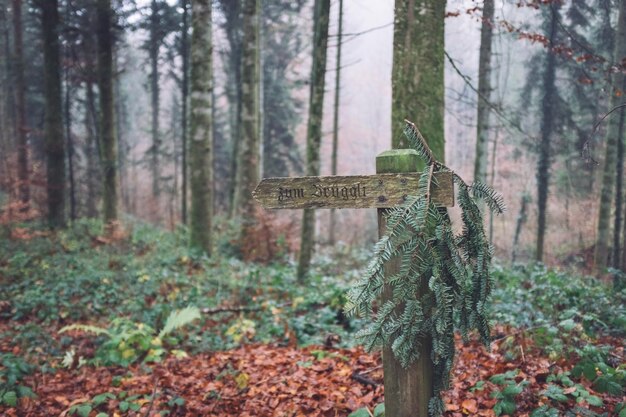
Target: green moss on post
{"x": 407, "y": 390}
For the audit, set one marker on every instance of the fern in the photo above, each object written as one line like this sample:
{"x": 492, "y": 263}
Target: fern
{"x": 178, "y": 319}
{"x": 443, "y": 278}
{"x": 98, "y": 331}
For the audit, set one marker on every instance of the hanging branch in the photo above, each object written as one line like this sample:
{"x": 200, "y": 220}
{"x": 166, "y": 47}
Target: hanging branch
{"x": 443, "y": 281}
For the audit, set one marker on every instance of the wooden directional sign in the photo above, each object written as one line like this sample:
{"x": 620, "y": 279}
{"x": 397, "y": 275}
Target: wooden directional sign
{"x": 359, "y": 191}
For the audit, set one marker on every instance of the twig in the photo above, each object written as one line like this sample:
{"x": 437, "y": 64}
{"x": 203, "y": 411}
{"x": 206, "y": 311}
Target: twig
{"x": 152, "y": 397}
{"x": 372, "y": 370}
{"x": 364, "y": 380}
{"x": 492, "y": 106}
{"x": 239, "y": 309}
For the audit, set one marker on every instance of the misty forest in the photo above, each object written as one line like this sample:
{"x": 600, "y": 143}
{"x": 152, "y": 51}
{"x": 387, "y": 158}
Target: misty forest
{"x": 289, "y": 208}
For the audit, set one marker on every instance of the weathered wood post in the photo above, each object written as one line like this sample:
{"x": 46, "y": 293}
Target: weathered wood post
{"x": 407, "y": 390}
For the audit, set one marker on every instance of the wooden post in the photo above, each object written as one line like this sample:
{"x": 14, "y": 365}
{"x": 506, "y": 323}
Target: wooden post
{"x": 407, "y": 390}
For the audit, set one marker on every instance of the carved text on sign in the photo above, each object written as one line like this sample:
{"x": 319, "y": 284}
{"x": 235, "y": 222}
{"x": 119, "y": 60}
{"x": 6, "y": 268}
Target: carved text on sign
{"x": 358, "y": 191}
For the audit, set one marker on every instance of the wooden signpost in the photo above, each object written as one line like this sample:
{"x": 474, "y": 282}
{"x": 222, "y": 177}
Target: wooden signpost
{"x": 407, "y": 390}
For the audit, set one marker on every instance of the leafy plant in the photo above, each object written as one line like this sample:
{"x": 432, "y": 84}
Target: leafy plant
{"x": 12, "y": 370}
{"x": 379, "y": 411}
{"x": 508, "y": 391}
{"x": 443, "y": 279}
{"x": 604, "y": 378}
{"x": 127, "y": 342}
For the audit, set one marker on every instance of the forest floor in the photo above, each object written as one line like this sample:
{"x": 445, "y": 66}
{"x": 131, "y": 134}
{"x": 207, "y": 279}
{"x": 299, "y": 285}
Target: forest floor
{"x": 264, "y": 346}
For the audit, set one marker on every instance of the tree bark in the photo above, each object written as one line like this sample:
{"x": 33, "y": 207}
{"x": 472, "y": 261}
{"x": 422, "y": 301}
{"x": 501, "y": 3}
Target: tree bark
{"x": 201, "y": 125}
{"x": 248, "y": 158}
{"x": 54, "y": 140}
{"x": 417, "y": 73}
{"x": 153, "y": 52}
{"x": 92, "y": 147}
{"x": 333, "y": 160}
{"x": 619, "y": 199}
{"x": 108, "y": 139}
{"x": 233, "y": 26}
{"x": 314, "y": 127}
{"x": 547, "y": 120}
{"x": 185, "y": 100}
{"x": 484, "y": 90}
{"x": 418, "y": 95}
{"x": 21, "y": 127}
{"x": 608, "y": 176}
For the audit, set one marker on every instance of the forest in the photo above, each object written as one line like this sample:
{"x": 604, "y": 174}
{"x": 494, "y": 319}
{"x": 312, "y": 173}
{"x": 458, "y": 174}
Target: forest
{"x": 288, "y": 208}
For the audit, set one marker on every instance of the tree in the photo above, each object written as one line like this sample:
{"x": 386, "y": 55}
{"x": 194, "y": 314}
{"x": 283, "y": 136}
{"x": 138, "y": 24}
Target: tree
{"x": 547, "y": 125}
{"x": 333, "y": 162}
{"x": 184, "y": 54}
{"x": 108, "y": 139}
{"x": 321, "y": 17}
{"x": 417, "y": 73}
{"x": 612, "y": 136}
{"x": 200, "y": 147}
{"x": 232, "y": 60}
{"x": 248, "y": 157}
{"x": 281, "y": 46}
{"x": 418, "y": 94}
{"x": 55, "y": 145}
{"x": 20, "y": 105}
{"x": 484, "y": 90}
{"x": 160, "y": 23}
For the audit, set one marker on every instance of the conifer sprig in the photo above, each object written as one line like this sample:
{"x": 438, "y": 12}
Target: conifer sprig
{"x": 443, "y": 280}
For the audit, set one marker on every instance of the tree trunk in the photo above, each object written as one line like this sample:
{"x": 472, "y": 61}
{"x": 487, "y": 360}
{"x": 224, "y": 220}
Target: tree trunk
{"x": 608, "y": 177}
{"x": 5, "y": 121}
{"x": 417, "y": 73}
{"x": 153, "y": 52}
{"x": 333, "y": 160}
{"x": 20, "y": 105}
{"x": 92, "y": 147}
{"x": 484, "y": 91}
{"x": 185, "y": 99}
{"x": 248, "y": 158}
{"x": 200, "y": 155}
{"x": 70, "y": 143}
{"x": 619, "y": 199}
{"x": 547, "y": 119}
{"x": 108, "y": 139}
{"x": 314, "y": 128}
{"x": 418, "y": 95}
{"x": 54, "y": 140}
{"x": 233, "y": 27}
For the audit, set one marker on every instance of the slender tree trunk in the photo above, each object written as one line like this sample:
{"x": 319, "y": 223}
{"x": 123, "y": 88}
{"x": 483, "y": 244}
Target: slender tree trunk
{"x": 484, "y": 91}
{"x": 123, "y": 148}
{"x": 155, "y": 102}
{"x": 185, "y": 100}
{"x": 107, "y": 138}
{"x": 314, "y": 127}
{"x": 92, "y": 147}
{"x": 547, "y": 120}
{"x": 233, "y": 89}
{"x": 200, "y": 156}
{"x": 5, "y": 133}
{"x": 55, "y": 142}
{"x": 248, "y": 158}
{"x": 70, "y": 143}
{"x": 521, "y": 220}
{"x": 617, "y": 227}
{"x": 608, "y": 177}
{"x": 20, "y": 105}
{"x": 417, "y": 73}
{"x": 333, "y": 160}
